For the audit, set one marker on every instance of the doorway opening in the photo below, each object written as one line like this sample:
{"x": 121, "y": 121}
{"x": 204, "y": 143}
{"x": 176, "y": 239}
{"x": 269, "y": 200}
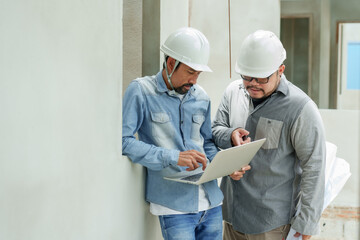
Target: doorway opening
{"x": 295, "y": 36}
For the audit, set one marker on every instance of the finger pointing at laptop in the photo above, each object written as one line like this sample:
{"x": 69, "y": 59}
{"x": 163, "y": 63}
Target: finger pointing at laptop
{"x": 191, "y": 159}
{"x": 239, "y": 137}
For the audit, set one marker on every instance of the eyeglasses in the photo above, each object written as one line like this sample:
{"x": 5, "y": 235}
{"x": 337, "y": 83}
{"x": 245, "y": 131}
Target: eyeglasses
{"x": 258, "y": 80}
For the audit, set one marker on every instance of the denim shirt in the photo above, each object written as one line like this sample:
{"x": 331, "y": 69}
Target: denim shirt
{"x": 287, "y": 170}
{"x": 165, "y": 126}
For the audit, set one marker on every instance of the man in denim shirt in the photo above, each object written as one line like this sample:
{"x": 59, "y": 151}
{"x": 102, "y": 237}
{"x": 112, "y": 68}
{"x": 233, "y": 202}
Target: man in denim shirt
{"x": 287, "y": 173}
{"x": 171, "y": 115}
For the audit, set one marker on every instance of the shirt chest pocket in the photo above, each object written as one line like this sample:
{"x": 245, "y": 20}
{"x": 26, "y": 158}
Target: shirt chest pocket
{"x": 197, "y": 121}
{"x": 162, "y": 127}
{"x": 271, "y": 130}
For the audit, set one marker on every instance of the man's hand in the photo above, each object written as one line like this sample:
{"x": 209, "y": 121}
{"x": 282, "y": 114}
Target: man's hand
{"x": 191, "y": 159}
{"x": 239, "y": 137}
{"x": 304, "y": 237}
{"x": 239, "y": 174}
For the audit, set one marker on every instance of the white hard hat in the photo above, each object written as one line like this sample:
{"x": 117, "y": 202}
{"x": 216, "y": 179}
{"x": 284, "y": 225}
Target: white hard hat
{"x": 189, "y": 46}
{"x": 261, "y": 54}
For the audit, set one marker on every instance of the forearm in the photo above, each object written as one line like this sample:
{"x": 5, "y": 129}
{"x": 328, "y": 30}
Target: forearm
{"x": 150, "y": 156}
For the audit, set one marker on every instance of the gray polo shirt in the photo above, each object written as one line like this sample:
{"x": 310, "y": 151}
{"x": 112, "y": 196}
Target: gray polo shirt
{"x": 287, "y": 170}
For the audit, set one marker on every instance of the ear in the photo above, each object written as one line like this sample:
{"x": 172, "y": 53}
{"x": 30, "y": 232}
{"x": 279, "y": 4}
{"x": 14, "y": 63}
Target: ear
{"x": 170, "y": 63}
{"x": 281, "y": 69}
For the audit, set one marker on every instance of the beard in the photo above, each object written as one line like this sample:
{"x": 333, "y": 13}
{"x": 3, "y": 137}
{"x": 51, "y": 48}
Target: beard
{"x": 182, "y": 89}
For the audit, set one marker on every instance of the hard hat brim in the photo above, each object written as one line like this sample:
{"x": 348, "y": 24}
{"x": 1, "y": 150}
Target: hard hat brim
{"x": 185, "y": 60}
{"x": 254, "y": 73}
{"x": 198, "y": 67}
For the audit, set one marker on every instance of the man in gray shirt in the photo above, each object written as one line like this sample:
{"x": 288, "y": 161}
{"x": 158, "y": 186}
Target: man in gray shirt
{"x": 287, "y": 174}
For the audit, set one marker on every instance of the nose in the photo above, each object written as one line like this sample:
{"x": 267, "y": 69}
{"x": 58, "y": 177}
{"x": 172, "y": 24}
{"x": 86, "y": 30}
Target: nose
{"x": 193, "y": 78}
{"x": 253, "y": 81}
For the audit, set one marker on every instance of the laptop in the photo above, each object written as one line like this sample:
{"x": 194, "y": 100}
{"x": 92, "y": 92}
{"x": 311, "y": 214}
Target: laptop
{"x": 224, "y": 163}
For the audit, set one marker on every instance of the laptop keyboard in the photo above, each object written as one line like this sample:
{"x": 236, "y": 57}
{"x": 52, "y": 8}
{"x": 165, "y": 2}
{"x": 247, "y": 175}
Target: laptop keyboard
{"x": 193, "y": 178}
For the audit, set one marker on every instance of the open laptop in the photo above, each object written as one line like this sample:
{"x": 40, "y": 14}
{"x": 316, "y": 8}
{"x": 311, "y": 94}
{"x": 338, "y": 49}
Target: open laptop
{"x": 224, "y": 163}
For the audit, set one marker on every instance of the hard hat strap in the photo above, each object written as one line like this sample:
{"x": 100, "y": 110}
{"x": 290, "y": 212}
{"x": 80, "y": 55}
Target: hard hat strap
{"x": 167, "y": 72}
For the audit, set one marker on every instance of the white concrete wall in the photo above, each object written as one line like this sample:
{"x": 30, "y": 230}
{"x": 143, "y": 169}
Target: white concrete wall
{"x": 136, "y": 216}
{"x": 132, "y": 41}
{"x": 342, "y": 128}
{"x": 61, "y": 171}
{"x": 137, "y": 223}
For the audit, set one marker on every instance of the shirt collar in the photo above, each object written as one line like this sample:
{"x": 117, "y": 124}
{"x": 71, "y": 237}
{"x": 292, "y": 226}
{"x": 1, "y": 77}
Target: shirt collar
{"x": 161, "y": 86}
{"x": 283, "y": 86}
